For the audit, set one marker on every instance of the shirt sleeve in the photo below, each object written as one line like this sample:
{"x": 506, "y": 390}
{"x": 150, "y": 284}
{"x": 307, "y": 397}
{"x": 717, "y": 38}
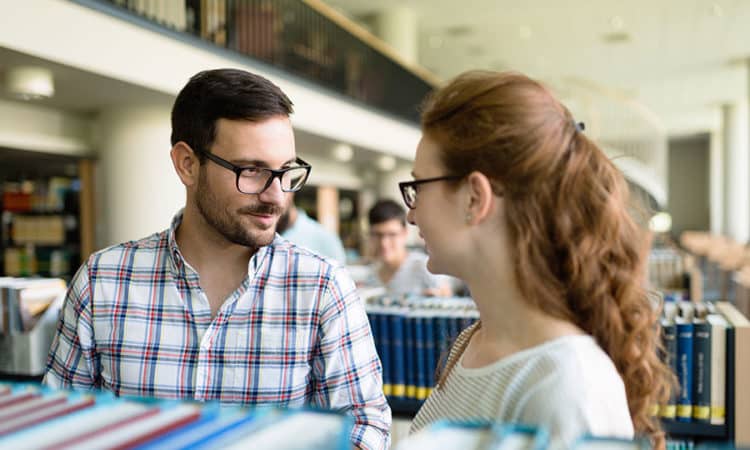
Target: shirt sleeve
{"x": 71, "y": 359}
{"x": 346, "y": 368}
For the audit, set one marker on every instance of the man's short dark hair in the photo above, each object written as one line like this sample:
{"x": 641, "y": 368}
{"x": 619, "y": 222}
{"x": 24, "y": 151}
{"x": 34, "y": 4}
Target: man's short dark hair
{"x": 385, "y": 210}
{"x": 223, "y": 94}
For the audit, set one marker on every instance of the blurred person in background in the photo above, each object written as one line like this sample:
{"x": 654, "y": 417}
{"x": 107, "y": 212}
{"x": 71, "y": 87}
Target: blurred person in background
{"x": 296, "y": 226}
{"x": 401, "y": 271}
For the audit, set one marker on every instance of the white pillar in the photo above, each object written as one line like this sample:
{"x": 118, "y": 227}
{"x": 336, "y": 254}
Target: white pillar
{"x": 736, "y": 165}
{"x": 716, "y": 183}
{"x": 139, "y": 191}
{"x": 398, "y": 27}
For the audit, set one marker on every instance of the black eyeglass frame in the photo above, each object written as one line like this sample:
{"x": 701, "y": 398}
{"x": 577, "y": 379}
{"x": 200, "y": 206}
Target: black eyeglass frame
{"x": 274, "y": 172}
{"x": 404, "y": 185}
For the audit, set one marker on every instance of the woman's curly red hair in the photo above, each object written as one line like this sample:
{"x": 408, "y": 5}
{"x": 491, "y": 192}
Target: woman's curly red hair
{"x": 579, "y": 255}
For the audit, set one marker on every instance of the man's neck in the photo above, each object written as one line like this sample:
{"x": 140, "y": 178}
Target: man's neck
{"x": 203, "y": 247}
{"x": 221, "y": 265}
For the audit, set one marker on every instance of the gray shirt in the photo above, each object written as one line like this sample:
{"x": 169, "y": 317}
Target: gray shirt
{"x": 411, "y": 278}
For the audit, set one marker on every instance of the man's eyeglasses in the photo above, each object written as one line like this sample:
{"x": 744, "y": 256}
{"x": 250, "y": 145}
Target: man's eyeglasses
{"x": 409, "y": 188}
{"x": 255, "y": 180}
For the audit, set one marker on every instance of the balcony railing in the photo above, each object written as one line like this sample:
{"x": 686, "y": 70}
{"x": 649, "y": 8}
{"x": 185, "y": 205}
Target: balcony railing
{"x": 303, "y": 38}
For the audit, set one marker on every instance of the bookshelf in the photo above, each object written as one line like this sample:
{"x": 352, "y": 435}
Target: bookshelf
{"x": 46, "y": 213}
{"x": 737, "y": 367}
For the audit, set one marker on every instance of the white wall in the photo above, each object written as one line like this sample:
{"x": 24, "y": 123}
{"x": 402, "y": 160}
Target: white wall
{"x": 138, "y": 189}
{"x": 326, "y": 172}
{"x": 39, "y": 128}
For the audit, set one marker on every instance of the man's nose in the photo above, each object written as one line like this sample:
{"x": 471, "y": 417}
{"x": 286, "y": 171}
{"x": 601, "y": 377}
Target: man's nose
{"x": 273, "y": 194}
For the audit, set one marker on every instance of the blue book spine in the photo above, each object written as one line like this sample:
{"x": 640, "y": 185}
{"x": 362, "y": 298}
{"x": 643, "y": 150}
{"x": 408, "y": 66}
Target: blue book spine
{"x": 669, "y": 340}
{"x": 442, "y": 337}
{"x": 685, "y": 371}
{"x": 385, "y": 352}
{"x": 421, "y": 358}
{"x": 410, "y": 357}
{"x": 398, "y": 374}
{"x": 702, "y": 372}
{"x": 374, "y": 319}
{"x": 454, "y": 324}
{"x": 429, "y": 352}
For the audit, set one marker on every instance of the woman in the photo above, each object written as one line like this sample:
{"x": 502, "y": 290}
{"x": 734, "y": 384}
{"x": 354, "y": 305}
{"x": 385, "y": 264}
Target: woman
{"x": 511, "y": 197}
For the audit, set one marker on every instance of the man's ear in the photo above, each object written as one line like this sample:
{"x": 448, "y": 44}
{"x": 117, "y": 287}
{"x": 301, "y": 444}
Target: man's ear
{"x": 480, "y": 198}
{"x": 186, "y": 163}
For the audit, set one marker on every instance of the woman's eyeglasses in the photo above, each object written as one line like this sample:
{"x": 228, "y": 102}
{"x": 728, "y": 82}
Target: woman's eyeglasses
{"x": 409, "y": 188}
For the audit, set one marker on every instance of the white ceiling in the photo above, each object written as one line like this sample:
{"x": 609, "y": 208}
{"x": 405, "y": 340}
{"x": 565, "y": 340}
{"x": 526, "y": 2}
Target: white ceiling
{"x": 79, "y": 91}
{"x": 682, "y": 59}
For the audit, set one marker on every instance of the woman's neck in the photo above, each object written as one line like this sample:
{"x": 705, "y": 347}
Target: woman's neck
{"x": 510, "y": 323}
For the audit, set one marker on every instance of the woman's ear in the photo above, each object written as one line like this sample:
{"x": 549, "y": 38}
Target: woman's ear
{"x": 186, "y": 163}
{"x": 480, "y": 198}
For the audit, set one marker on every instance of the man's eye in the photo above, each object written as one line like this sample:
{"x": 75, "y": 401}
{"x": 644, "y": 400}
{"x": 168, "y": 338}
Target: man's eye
{"x": 251, "y": 172}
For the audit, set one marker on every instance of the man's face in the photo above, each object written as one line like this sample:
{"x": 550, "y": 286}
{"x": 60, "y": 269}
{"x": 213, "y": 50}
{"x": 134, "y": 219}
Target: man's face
{"x": 389, "y": 240}
{"x": 245, "y": 219}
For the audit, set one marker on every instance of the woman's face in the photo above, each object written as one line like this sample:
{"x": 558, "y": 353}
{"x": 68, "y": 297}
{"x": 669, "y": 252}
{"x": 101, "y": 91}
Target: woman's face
{"x": 437, "y": 213}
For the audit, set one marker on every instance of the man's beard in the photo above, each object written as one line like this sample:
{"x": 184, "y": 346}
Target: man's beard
{"x": 228, "y": 225}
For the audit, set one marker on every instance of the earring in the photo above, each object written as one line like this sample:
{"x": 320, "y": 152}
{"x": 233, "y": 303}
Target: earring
{"x": 468, "y": 217}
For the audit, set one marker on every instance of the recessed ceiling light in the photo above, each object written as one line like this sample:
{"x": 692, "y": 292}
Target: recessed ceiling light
{"x": 29, "y": 82}
{"x": 343, "y": 152}
{"x": 717, "y": 10}
{"x": 617, "y": 22}
{"x": 386, "y": 163}
{"x": 524, "y": 32}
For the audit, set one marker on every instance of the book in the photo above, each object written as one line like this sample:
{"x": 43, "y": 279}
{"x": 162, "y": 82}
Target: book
{"x": 420, "y": 357}
{"x": 719, "y": 327}
{"x": 669, "y": 356}
{"x": 701, "y": 371}
{"x": 685, "y": 369}
{"x": 410, "y": 366}
{"x": 398, "y": 363}
{"x": 385, "y": 355}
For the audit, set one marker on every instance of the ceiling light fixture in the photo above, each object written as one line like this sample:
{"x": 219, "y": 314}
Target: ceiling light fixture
{"x": 343, "y": 152}
{"x": 29, "y": 82}
{"x": 386, "y": 163}
{"x": 717, "y": 10}
{"x": 617, "y": 22}
{"x": 524, "y": 32}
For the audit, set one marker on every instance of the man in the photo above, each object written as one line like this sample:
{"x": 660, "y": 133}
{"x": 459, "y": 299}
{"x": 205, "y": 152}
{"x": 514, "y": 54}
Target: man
{"x": 296, "y": 226}
{"x": 218, "y": 307}
{"x": 401, "y": 271}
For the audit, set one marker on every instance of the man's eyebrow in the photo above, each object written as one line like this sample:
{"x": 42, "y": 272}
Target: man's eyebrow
{"x": 258, "y": 162}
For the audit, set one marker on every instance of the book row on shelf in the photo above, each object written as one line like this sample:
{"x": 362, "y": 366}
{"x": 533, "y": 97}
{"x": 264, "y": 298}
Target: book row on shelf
{"x": 694, "y": 343}
{"x": 412, "y": 336}
{"x": 459, "y": 436}
{"x": 36, "y": 417}
{"x": 39, "y": 226}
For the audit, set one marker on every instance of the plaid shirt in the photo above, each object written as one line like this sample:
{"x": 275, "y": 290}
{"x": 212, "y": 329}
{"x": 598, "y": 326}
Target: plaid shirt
{"x": 136, "y": 321}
